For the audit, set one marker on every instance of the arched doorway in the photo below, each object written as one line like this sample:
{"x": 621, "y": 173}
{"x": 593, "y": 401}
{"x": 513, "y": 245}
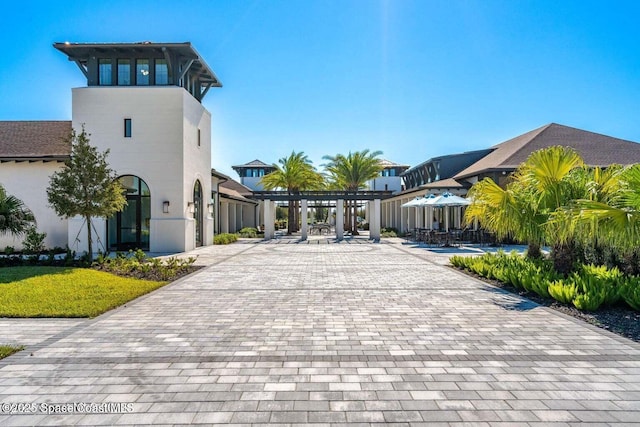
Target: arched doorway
{"x": 129, "y": 229}
{"x": 198, "y": 212}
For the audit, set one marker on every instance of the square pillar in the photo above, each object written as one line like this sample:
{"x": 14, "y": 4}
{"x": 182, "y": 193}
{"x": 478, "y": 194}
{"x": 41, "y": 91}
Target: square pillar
{"x": 339, "y": 219}
{"x": 269, "y": 220}
{"x": 303, "y": 220}
{"x": 374, "y": 226}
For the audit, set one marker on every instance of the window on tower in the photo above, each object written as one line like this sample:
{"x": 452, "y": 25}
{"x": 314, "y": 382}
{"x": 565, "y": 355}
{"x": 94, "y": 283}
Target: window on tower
{"x": 162, "y": 72}
{"x": 104, "y": 72}
{"x": 124, "y": 72}
{"x": 142, "y": 72}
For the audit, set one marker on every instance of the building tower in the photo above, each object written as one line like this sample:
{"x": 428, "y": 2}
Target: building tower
{"x": 143, "y": 103}
{"x": 251, "y": 173}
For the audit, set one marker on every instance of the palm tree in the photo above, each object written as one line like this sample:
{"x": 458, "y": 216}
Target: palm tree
{"x": 612, "y": 212}
{"x": 15, "y": 217}
{"x": 529, "y": 208}
{"x": 351, "y": 173}
{"x": 294, "y": 174}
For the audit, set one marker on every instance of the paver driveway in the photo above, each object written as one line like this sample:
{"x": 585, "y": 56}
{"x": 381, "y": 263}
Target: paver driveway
{"x": 340, "y": 333}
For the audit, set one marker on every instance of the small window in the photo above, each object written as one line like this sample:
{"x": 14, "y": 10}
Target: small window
{"x": 162, "y": 72}
{"x": 124, "y": 72}
{"x": 142, "y": 72}
{"x": 198, "y": 137}
{"x": 104, "y": 72}
{"x": 127, "y": 128}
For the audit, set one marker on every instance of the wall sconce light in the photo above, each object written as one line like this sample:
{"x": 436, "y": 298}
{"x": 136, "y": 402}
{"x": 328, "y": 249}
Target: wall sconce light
{"x": 191, "y": 207}
{"x": 210, "y": 207}
{"x": 165, "y": 206}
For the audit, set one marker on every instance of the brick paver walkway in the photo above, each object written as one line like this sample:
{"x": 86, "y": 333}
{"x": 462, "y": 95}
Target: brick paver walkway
{"x": 324, "y": 333}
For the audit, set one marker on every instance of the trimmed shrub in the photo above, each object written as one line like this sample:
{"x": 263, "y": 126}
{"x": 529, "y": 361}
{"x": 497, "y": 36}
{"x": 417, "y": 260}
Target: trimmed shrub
{"x": 630, "y": 292}
{"x": 563, "y": 291}
{"x": 248, "y": 232}
{"x": 33, "y": 241}
{"x": 388, "y": 232}
{"x": 224, "y": 238}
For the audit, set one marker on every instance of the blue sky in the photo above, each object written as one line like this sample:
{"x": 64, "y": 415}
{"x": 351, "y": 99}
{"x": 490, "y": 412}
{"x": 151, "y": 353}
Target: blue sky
{"x": 412, "y": 78}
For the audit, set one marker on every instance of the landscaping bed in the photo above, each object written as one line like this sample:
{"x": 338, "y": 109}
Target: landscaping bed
{"x": 617, "y": 317}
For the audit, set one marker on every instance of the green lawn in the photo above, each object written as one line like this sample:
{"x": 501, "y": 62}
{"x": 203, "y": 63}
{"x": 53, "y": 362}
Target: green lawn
{"x": 65, "y": 292}
{"x": 7, "y": 350}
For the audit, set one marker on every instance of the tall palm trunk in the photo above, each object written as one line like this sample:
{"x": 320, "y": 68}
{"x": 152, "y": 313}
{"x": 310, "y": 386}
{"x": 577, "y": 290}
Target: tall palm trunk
{"x": 564, "y": 257}
{"x": 533, "y": 251}
{"x": 355, "y": 218}
{"x": 290, "y": 217}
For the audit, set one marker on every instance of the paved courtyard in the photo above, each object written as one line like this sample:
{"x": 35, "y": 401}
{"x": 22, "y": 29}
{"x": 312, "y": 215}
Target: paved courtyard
{"x": 321, "y": 333}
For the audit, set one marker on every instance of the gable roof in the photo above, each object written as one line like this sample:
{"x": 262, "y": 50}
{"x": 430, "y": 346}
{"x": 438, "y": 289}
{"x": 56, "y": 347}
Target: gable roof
{"x": 596, "y": 149}
{"x": 443, "y": 184}
{"x": 34, "y": 140}
{"x": 252, "y": 164}
{"x": 389, "y": 164}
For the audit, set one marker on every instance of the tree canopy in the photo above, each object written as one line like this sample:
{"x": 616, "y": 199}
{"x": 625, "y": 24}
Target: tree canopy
{"x": 86, "y": 186}
{"x": 15, "y": 217}
{"x": 293, "y": 173}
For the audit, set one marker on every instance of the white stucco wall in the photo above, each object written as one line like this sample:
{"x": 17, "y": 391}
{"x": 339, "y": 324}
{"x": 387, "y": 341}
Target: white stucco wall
{"x": 197, "y": 165}
{"x": 162, "y": 151}
{"x": 29, "y": 182}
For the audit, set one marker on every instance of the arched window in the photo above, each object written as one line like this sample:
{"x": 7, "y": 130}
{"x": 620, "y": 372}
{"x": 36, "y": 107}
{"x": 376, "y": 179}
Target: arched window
{"x": 129, "y": 229}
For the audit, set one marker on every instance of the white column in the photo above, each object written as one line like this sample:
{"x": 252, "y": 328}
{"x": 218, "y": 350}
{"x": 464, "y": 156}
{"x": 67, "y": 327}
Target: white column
{"x": 269, "y": 220}
{"x": 224, "y": 217}
{"x": 340, "y": 219}
{"x": 303, "y": 219}
{"x": 374, "y": 227}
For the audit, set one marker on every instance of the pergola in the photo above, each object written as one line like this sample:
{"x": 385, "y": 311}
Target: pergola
{"x": 373, "y": 199}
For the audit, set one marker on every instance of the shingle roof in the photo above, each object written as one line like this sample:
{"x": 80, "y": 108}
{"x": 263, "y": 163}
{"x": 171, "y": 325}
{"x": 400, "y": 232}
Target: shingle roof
{"x": 234, "y": 186}
{"x": 34, "y": 139}
{"x": 595, "y": 149}
{"x": 443, "y": 183}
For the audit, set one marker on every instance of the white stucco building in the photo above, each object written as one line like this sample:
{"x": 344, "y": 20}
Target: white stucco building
{"x": 143, "y": 103}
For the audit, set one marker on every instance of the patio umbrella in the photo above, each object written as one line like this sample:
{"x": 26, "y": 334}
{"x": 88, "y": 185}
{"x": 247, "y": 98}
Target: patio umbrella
{"x": 424, "y": 202}
{"x": 446, "y": 200}
{"x": 418, "y": 202}
{"x": 412, "y": 203}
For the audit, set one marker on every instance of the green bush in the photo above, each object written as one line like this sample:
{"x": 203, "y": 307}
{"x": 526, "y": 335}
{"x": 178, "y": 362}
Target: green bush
{"x": 563, "y": 291}
{"x": 138, "y": 264}
{"x": 587, "y": 288}
{"x": 248, "y": 232}
{"x": 630, "y": 292}
{"x": 609, "y": 279}
{"x": 33, "y": 241}
{"x": 590, "y": 301}
{"x": 225, "y": 238}
{"x": 387, "y": 232}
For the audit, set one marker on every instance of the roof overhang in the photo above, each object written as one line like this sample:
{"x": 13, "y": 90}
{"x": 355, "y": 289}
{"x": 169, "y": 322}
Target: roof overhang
{"x": 81, "y": 52}
{"x": 33, "y": 159}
